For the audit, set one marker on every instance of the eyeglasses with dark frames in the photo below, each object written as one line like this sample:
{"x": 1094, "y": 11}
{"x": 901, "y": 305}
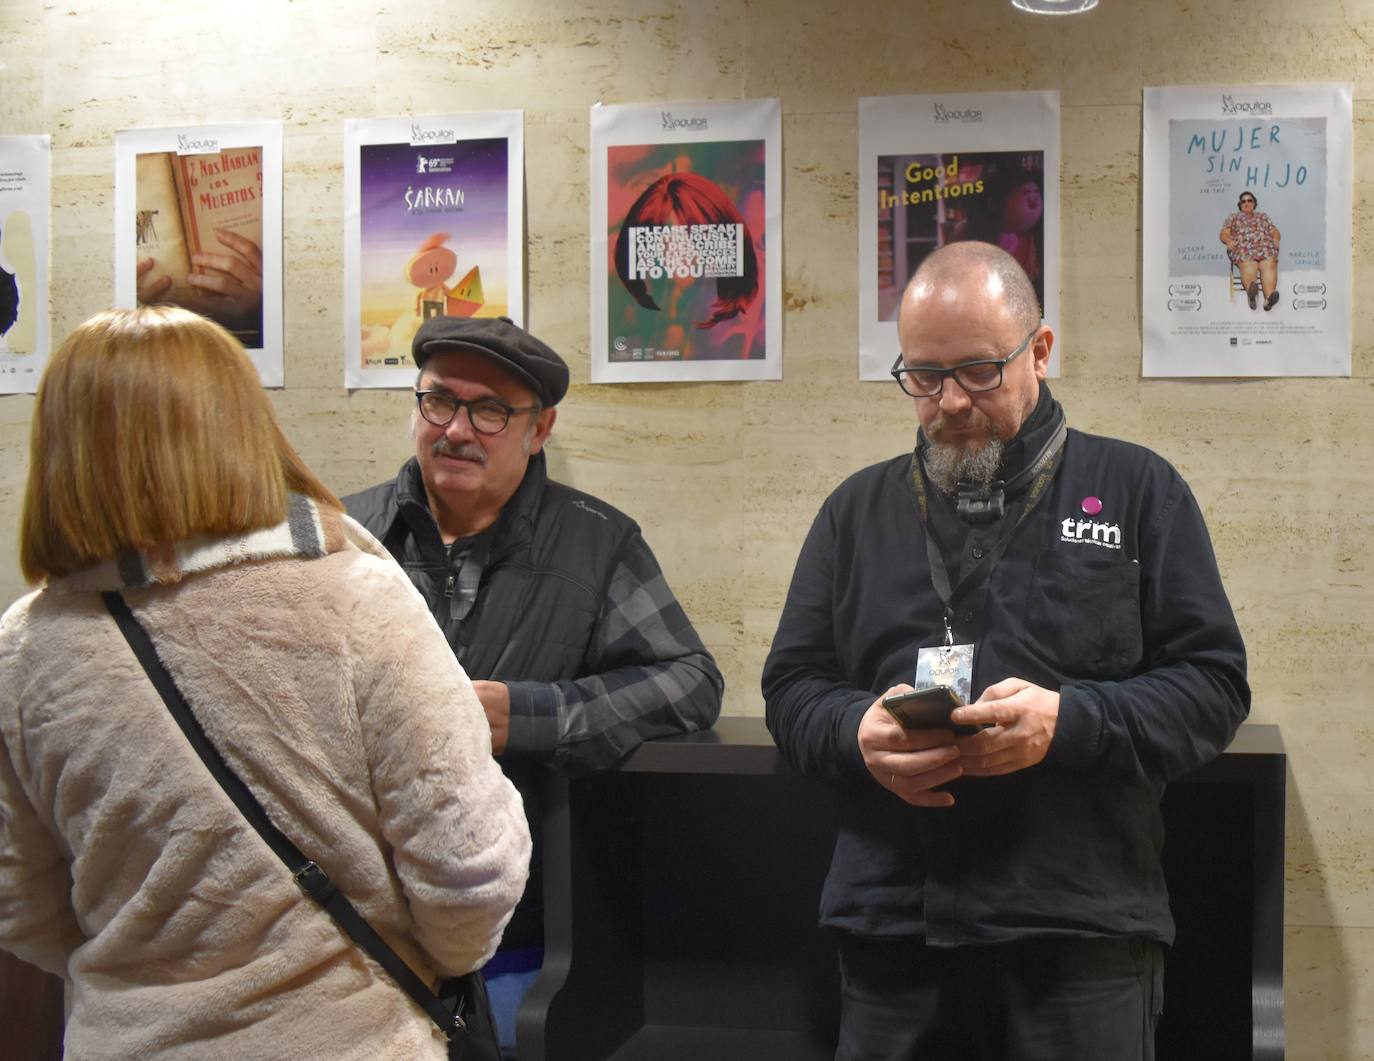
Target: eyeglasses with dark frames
{"x": 486, "y": 415}
{"x": 974, "y": 376}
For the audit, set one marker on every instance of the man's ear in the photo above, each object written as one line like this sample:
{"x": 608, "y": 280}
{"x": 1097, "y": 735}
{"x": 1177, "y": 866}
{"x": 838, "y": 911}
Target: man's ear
{"x": 542, "y": 426}
{"x": 1040, "y": 349}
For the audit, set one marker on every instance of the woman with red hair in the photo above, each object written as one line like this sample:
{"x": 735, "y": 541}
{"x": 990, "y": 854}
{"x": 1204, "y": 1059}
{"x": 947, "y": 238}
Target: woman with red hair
{"x": 684, "y": 199}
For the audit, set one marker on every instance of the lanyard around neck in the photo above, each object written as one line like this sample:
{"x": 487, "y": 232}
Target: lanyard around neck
{"x": 1041, "y": 473}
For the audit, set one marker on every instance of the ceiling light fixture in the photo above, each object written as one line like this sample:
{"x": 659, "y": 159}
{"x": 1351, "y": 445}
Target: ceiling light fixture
{"x": 1055, "y": 7}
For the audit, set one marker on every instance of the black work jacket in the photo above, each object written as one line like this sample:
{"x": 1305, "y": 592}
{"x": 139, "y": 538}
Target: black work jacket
{"x": 1122, "y": 611}
{"x": 543, "y": 585}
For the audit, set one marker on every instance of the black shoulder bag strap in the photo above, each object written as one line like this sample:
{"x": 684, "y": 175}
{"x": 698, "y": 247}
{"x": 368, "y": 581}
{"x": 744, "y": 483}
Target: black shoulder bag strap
{"x": 308, "y": 875}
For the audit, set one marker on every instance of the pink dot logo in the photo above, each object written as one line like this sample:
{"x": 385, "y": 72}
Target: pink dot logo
{"x": 1092, "y": 505}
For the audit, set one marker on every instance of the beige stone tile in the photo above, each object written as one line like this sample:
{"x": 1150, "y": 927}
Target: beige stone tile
{"x": 1330, "y": 993}
{"x": 1330, "y": 793}
{"x": 1269, "y": 42}
{"x": 350, "y": 440}
{"x": 557, "y": 177}
{"x": 1100, "y": 237}
{"x": 822, "y": 59}
{"x": 546, "y": 54}
{"x": 21, "y": 67}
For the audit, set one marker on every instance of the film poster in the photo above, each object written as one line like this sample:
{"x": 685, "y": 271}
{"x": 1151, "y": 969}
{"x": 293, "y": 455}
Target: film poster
{"x": 940, "y": 169}
{"x": 433, "y": 226}
{"x": 198, "y": 225}
{"x": 1246, "y": 241}
{"x": 686, "y": 244}
{"x": 25, "y": 192}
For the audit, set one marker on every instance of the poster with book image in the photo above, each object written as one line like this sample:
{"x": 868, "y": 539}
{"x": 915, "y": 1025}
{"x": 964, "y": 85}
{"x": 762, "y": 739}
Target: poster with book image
{"x": 938, "y": 169}
{"x": 25, "y": 192}
{"x": 1246, "y": 243}
{"x": 433, "y": 226}
{"x": 198, "y": 225}
{"x": 686, "y": 247}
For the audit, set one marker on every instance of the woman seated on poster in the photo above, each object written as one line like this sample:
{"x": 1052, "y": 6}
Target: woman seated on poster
{"x": 158, "y": 471}
{"x": 1252, "y": 244}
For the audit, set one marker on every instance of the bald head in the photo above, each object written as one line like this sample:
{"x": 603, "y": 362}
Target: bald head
{"x": 970, "y": 306}
{"x": 972, "y": 270}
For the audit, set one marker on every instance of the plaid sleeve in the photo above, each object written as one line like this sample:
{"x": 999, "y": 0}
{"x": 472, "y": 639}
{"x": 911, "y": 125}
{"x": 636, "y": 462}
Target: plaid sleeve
{"x": 647, "y": 674}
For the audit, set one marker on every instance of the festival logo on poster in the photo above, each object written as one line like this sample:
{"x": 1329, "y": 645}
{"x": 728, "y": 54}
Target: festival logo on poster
{"x": 685, "y": 229}
{"x": 432, "y": 232}
{"x": 25, "y": 175}
{"x": 198, "y": 225}
{"x": 1252, "y": 188}
{"x": 937, "y": 170}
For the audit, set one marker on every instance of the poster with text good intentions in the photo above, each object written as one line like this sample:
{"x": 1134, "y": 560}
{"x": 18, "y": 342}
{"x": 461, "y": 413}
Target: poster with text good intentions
{"x": 939, "y": 169}
{"x": 686, "y": 261}
{"x": 433, "y": 227}
{"x": 198, "y": 225}
{"x": 1247, "y": 231}
{"x": 25, "y": 191}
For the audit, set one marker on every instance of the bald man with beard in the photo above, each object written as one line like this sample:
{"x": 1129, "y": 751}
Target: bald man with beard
{"x": 997, "y": 893}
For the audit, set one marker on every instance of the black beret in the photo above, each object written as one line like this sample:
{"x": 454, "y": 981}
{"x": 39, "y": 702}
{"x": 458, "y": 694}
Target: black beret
{"x": 503, "y": 340}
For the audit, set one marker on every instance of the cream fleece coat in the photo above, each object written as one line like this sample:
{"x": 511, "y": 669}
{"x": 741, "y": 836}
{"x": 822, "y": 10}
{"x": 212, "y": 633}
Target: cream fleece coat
{"x": 123, "y": 866}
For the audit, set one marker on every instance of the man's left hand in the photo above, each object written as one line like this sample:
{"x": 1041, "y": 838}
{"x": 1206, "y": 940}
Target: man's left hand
{"x": 1023, "y": 717}
{"x": 495, "y": 698}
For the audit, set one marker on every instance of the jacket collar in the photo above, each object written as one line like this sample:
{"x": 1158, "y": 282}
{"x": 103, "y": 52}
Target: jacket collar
{"x": 514, "y": 526}
{"x": 308, "y": 531}
{"x": 1038, "y": 428}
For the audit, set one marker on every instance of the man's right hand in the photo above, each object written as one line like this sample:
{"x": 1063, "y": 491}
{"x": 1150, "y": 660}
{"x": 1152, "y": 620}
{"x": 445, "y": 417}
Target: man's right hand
{"x": 230, "y": 280}
{"x": 908, "y": 763}
{"x": 495, "y": 700}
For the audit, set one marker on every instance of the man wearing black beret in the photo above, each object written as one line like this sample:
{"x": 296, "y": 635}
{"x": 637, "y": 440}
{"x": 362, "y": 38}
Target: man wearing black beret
{"x": 550, "y": 597}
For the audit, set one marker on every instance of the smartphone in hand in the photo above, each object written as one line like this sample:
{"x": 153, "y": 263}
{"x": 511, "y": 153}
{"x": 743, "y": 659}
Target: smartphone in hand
{"x": 927, "y": 708}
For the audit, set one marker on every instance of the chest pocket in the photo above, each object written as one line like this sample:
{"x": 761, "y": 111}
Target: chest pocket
{"x": 1083, "y": 615}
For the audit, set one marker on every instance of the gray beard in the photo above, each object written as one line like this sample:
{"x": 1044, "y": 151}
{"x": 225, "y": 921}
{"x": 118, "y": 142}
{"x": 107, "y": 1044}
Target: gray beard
{"x": 947, "y": 466}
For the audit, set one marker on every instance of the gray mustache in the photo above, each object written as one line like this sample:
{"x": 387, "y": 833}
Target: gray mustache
{"x": 463, "y": 451}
